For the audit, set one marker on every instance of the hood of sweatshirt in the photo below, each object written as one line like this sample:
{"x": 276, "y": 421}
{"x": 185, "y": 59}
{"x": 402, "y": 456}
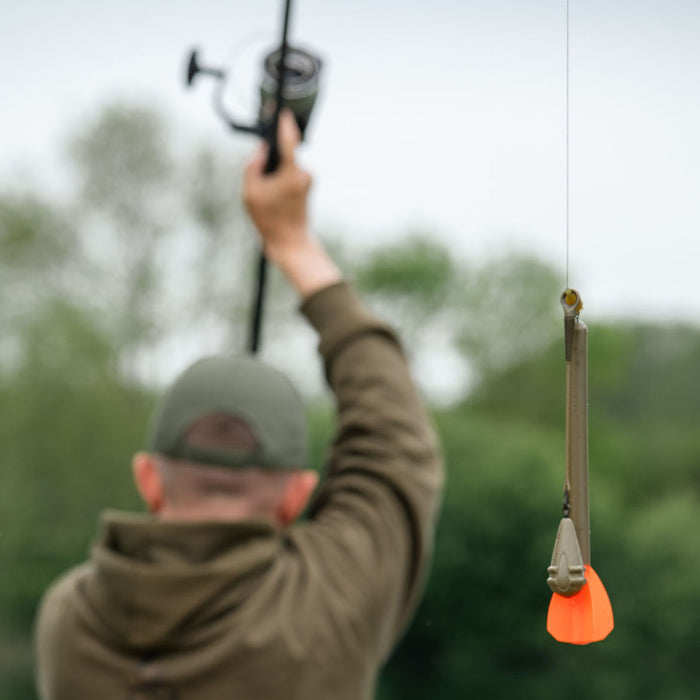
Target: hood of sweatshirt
{"x": 153, "y": 582}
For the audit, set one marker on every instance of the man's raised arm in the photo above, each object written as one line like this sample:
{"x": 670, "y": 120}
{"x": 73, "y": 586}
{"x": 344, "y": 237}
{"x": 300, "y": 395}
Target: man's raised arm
{"x": 373, "y": 519}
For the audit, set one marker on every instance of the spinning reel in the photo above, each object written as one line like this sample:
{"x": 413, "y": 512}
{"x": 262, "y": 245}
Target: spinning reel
{"x": 299, "y": 91}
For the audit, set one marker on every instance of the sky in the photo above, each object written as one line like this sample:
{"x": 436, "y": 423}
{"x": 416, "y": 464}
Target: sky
{"x": 447, "y": 117}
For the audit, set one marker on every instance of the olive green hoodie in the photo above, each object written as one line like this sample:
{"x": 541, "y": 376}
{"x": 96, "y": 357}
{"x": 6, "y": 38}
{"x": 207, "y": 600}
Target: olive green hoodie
{"x": 212, "y": 611}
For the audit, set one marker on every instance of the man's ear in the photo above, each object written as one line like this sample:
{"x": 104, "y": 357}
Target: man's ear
{"x": 297, "y": 495}
{"x": 148, "y": 480}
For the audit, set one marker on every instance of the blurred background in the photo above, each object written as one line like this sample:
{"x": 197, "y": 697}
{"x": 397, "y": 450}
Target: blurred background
{"x": 438, "y": 149}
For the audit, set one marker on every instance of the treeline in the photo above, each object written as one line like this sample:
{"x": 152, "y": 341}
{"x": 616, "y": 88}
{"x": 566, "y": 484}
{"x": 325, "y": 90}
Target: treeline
{"x": 145, "y": 263}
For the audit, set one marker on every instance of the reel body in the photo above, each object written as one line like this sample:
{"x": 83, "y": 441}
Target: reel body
{"x": 301, "y": 80}
{"x": 301, "y": 83}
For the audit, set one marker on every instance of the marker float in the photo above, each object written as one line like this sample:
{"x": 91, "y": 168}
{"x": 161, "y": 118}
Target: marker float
{"x": 580, "y": 610}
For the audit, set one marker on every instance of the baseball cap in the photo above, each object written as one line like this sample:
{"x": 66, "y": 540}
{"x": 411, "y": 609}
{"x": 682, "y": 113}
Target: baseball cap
{"x": 244, "y": 388}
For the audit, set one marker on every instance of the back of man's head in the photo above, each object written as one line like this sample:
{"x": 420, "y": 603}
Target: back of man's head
{"x": 228, "y": 442}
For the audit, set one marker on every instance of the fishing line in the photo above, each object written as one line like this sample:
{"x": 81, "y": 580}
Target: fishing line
{"x": 568, "y": 146}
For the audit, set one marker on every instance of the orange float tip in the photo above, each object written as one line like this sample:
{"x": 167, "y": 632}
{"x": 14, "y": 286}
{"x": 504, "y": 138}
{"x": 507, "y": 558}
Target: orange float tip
{"x": 582, "y": 618}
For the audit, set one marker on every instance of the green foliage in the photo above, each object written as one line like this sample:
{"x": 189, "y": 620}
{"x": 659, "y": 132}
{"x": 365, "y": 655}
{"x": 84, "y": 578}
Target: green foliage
{"x": 122, "y": 159}
{"x": 32, "y": 236}
{"x": 508, "y": 312}
{"x": 416, "y": 269}
{"x": 70, "y": 424}
{"x": 409, "y": 283}
{"x": 37, "y": 259}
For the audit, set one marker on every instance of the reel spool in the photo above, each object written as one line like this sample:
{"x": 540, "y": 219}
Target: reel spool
{"x": 301, "y": 82}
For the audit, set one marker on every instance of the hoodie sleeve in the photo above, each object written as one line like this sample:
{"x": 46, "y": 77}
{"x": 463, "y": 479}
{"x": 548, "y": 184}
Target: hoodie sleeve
{"x": 374, "y": 517}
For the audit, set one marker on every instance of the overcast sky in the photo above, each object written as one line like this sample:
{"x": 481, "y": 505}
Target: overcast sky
{"x": 445, "y": 115}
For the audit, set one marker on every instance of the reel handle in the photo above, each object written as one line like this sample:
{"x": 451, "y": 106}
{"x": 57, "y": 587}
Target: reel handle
{"x": 194, "y": 68}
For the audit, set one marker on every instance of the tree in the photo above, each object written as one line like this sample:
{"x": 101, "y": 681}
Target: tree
{"x": 493, "y": 314}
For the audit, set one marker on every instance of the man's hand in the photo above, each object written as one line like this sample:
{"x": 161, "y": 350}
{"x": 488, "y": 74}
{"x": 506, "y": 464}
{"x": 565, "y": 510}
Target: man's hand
{"x": 276, "y": 201}
{"x": 277, "y": 204}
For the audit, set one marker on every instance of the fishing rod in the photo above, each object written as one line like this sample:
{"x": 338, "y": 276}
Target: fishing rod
{"x": 290, "y": 80}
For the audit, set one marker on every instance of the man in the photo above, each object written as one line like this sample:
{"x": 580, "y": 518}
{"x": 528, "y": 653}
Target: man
{"x": 217, "y": 594}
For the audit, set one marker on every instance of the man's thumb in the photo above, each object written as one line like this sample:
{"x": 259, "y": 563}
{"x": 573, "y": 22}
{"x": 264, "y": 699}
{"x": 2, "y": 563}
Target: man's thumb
{"x": 288, "y": 136}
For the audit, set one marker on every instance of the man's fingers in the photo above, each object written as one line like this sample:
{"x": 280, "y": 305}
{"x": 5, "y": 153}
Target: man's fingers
{"x": 288, "y": 136}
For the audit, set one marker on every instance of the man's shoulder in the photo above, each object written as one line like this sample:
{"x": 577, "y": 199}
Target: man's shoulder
{"x": 58, "y": 600}
{"x": 57, "y": 630}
